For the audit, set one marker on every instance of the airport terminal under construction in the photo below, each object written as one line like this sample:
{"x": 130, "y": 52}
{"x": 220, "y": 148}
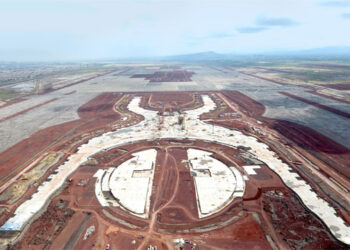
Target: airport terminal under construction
{"x": 185, "y": 169}
{"x": 175, "y": 170}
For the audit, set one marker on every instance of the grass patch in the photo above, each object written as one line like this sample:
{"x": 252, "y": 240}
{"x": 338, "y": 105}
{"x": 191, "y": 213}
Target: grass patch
{"x": 6, "y": 94}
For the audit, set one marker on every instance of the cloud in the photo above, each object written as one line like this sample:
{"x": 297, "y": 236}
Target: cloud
{"x": 251, "y": 29}
{"x": 346, "y": 15}
{"x": 265, "y": 23}
{"x": 216, "y": 35}
{"x": 341, "y": 3}
{"x": 280, "y": 22}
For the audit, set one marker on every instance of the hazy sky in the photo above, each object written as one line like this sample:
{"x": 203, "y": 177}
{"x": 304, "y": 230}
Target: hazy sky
{"x": 87, "y": 29}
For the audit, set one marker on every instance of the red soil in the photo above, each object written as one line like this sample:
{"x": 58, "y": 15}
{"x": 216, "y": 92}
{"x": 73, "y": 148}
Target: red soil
{"x": 178, "y": 97}
{"x": 94, "y": 115}
{"x": 308, "y": 138}
{"x": 170, "y": 101}
{"x": 91, "y": 242}
{"x": 327, "y": 150}
{"x": 293, "y": 222}
{"x": 245, "y": 233}
{"x": 339, "y": 86}
{"x": 232, "y": 124}
{"x": 247, "y": 104}
{"x": 49, "y": 225}
{"x": 121, "y": 240}
{"x": 27, "y": 109}
{"x": 13, "y": 101}
{"x": 71, "y": 92}
{"x": 167, "y": 76}
{"x": 66, "y": 233}
{"x": 264, "y": 78}
{"x": 77, "y": 82}
{"x": 184, "y": 203}
{"x": 318, "y": 105}
{"x": 329, "y": 97}
{"x": 220, "y": 70}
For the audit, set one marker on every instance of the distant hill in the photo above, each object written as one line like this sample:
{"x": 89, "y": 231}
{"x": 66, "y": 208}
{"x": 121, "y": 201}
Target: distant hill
{"x": 335, "y": 51}
{"x": 317, "y": 53}
{"x": 325, "y": 51}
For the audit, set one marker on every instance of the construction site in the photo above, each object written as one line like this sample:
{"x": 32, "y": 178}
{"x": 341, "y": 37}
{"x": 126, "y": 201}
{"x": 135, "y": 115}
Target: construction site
{"x": 175, "y": 170}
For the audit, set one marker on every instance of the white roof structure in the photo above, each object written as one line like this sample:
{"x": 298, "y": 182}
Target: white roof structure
{"x": 216, "y": 187}
{"x": 134, "y": 192}
{"x": 194, "y": 129}
{"x": 129, "y": 186}
{"x": 240, "y": 184}
{"x": 105, "y": 180}
{"x": 103, "y": 200}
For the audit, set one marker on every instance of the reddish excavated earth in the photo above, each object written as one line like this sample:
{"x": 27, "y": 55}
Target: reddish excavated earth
{"x": 328, "y": 96}
{"x": 325, "y": 149}
{"x": 27, "y": 109}
{"x": 251, "y": 107}
{"x": 171, "y": 101}
{"x": 175, "y": 209}
{"x": 167, "y": 76}
{"x": 79, "y": 81}
{"x": 318, "y": 105}
{"x": 13, "y": 101}
{"x": 256, "y": 221}
{"x": 264, "y": 78}
{"x": 339, "y": 86}
{"x": 94, "y": 115}
{"x": 320, "y": 145}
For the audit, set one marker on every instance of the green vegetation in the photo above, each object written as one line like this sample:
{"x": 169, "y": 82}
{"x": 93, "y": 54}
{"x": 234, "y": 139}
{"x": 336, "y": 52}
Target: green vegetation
{"x": 306, "y": 69}
{"x": 121, "y": 102}
{"x": 6, "y": 94}
{"x": 15, "y": 73}
{"x": 321, "y": 76}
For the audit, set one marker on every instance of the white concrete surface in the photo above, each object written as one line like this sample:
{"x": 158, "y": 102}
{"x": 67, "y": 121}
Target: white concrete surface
{"x": 134, "y": 193}
{"x": 98, "y": 189}
{"x": 214, "y": 189}
{"x": 250, "y": 169}
{"x": 129, "y": 185}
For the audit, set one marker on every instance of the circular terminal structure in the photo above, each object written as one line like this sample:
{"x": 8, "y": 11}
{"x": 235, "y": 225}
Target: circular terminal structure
{"x": 129, "y": 186}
